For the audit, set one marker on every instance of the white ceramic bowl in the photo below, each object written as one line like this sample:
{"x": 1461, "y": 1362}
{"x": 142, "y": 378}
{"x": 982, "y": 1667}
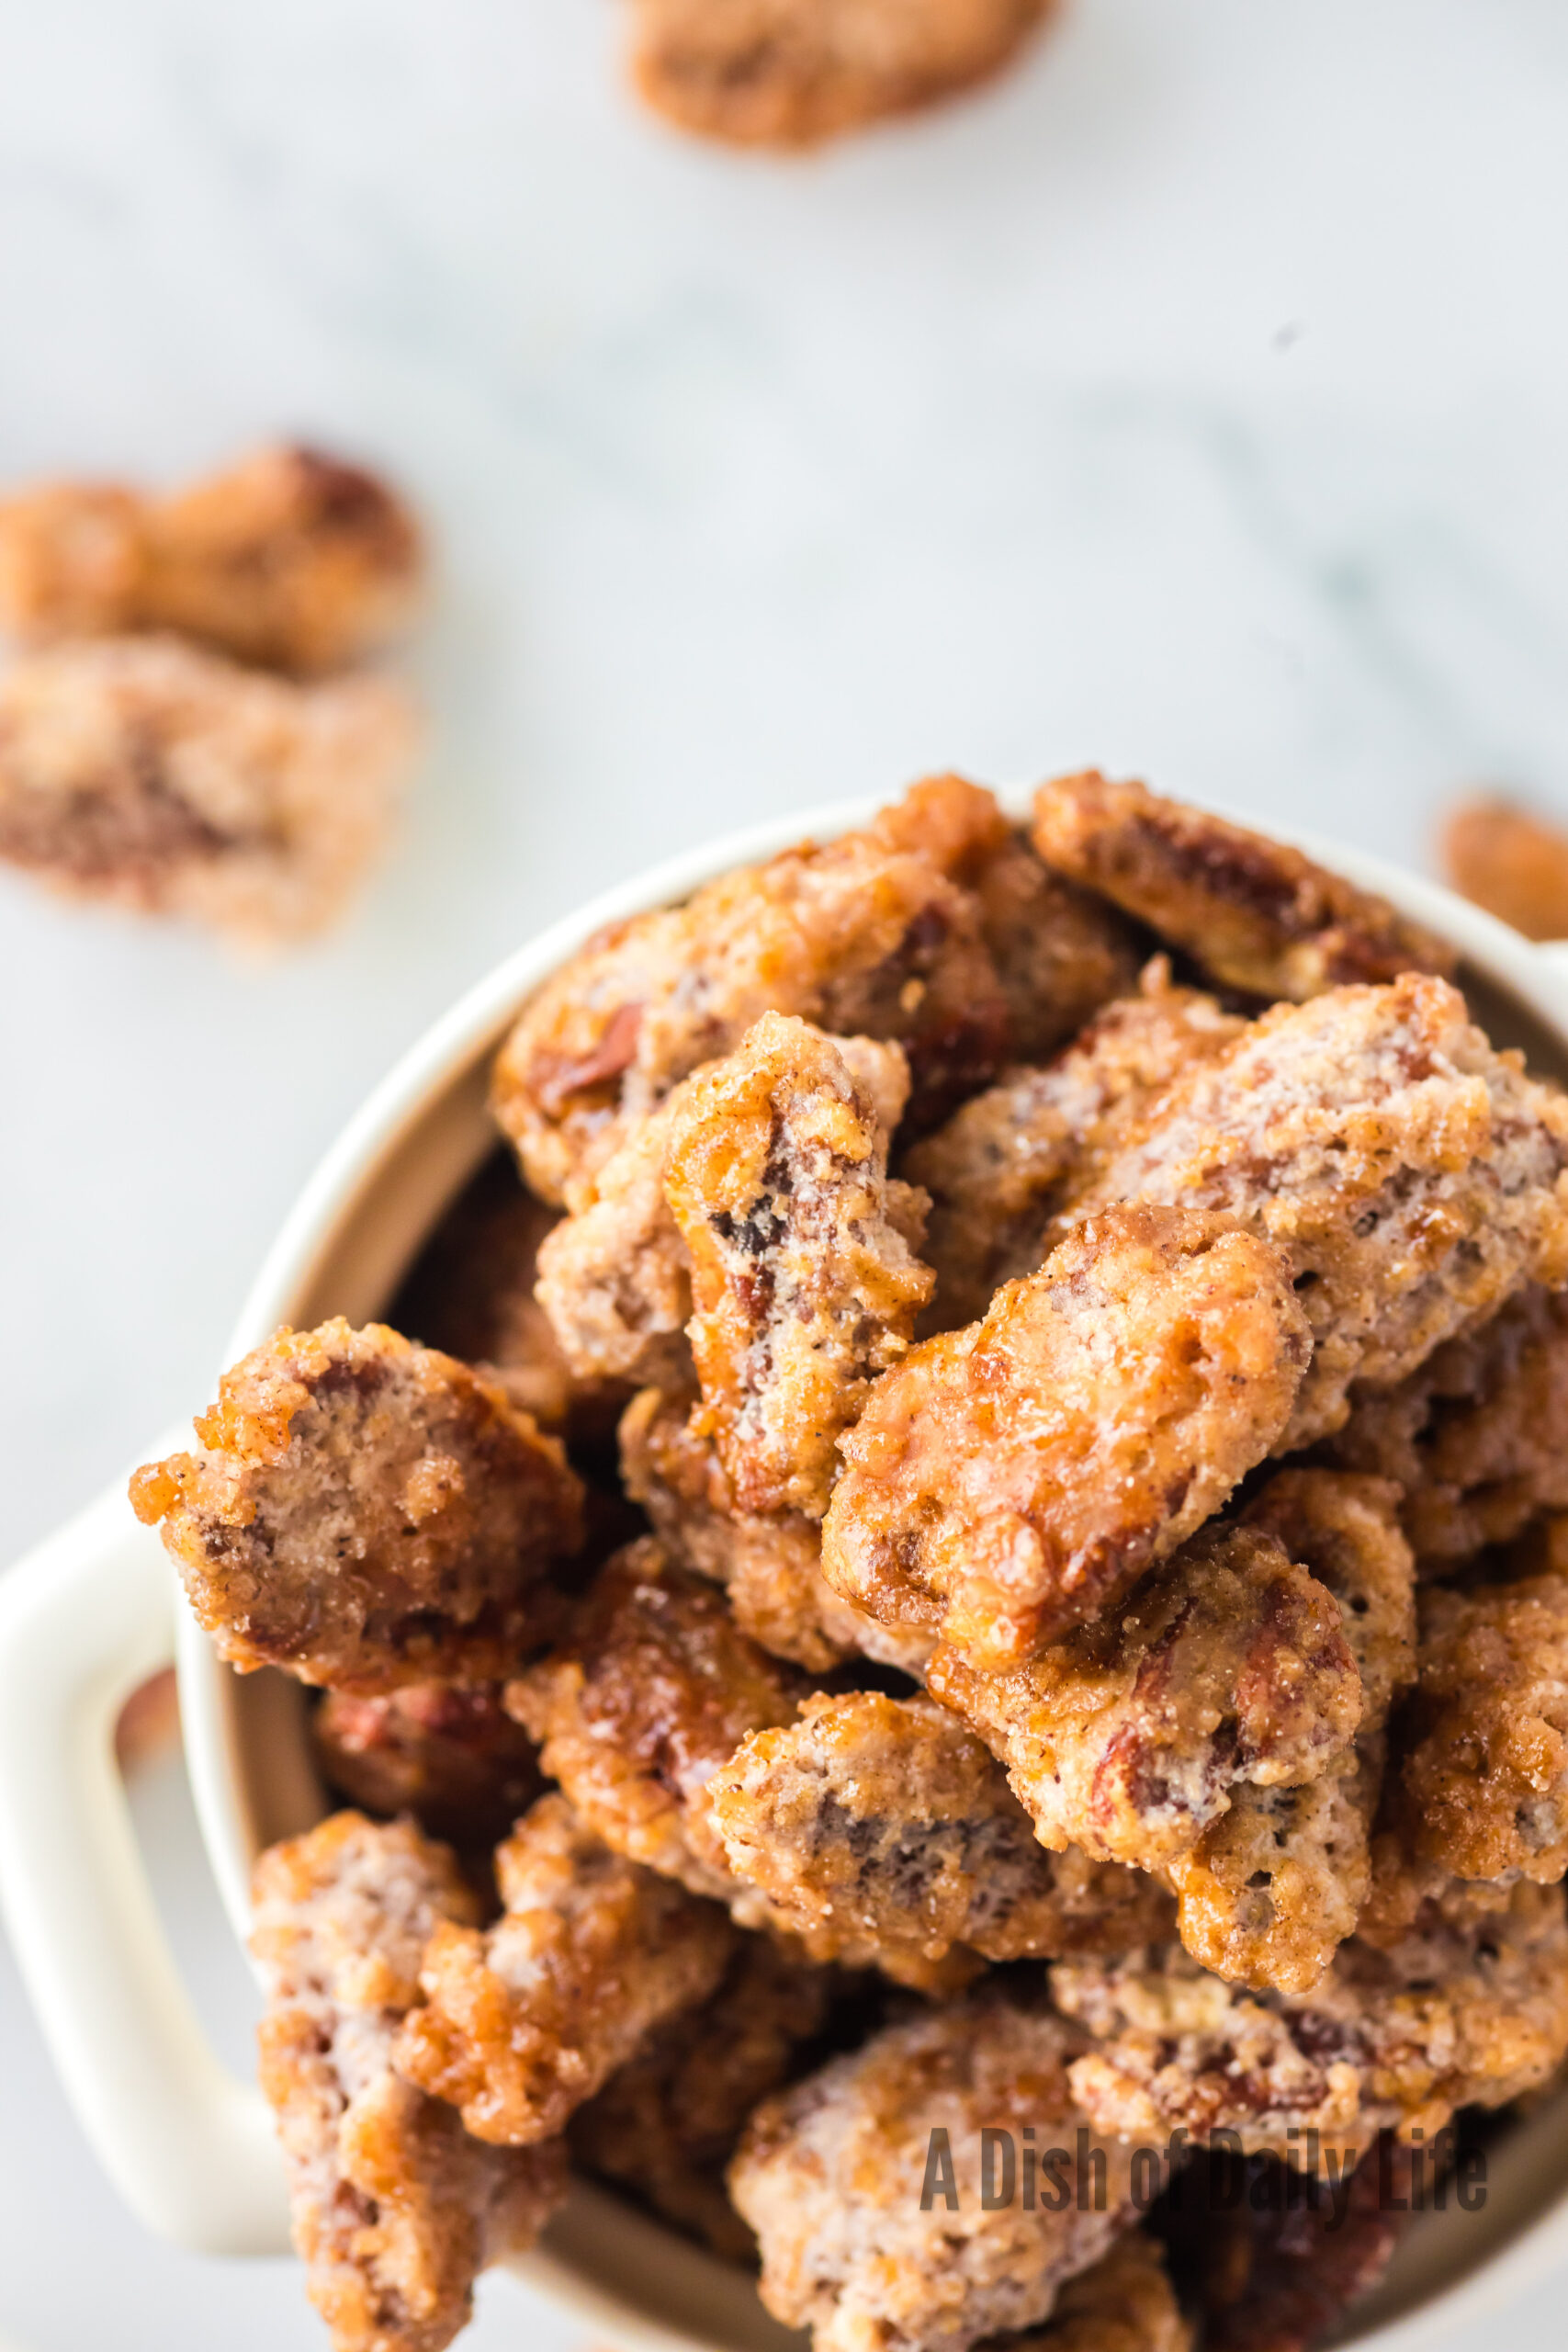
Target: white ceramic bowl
{"x": 87, "y": 1617}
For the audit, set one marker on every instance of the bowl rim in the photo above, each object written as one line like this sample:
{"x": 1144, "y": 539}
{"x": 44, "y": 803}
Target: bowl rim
{"x": 419, "y": 1090}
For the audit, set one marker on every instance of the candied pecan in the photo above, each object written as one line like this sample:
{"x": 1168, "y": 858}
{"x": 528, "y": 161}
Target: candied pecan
{"x": 166, "y": 780}
{"x": 1510, "y": 861}
{"x": 879, "y": 1828}
{"x": 1255, "y": 913}
{"x": 999, "y": 1167}
{"x": 1466, "y": 2012}
{"x": 1128, "y": 1738}
{"x": 1413, "y": 1176}
{"x": 290, "y": 558}
{"x": 775, "y": 74}
{"x": 804, "y": 1282}
{"x": 1276, "y": 1883}
{"x": 366, "y": 1513}
{"x": 654, "y": 1687}
{"x": 395, "y": 2208}
{"x": 1485, "y": 1764}
{"x": 834, "y": 2177}
{"x": 864, "y": 935}
{"x": 1472, "y": 1434}
{"x": 525, "y": 2021}
{"x": 1006, "y": 1481}
{"x": 448, "y": 1752}
{"x": 615, "y": 1277}
{"x": 667, "y": 2124}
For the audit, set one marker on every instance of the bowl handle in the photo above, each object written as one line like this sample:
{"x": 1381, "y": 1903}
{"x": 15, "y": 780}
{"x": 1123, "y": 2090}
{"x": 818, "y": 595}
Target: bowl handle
{"x": 83, "y": 1621}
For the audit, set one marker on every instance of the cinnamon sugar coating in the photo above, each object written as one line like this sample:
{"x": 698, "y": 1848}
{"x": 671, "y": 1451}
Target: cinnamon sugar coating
{"x": 1485, "y": 1759}
{"x": 525, "y": 2021}
{"x": 1273, "y": 1887}
{"x": 804, "y": 1282}
{"x": 1123, "y": 2303}
{"x": 471, "y": 1293}
{"x": 867, "y": 935}
{"x": 831, "y": 2176}
{"x": 615, "y": 1275}
{"x": 1129, "y": 1737}
{"x": 166, "y": 780}
{"x": 1002, "y": 1163}
{"x": 1510, "y": 861}
{"x": 1346, "y": 1529}
{"x": 614, "y": 1281}
{"x": 291, "y": 559}
{"x": 395, "y": 2208}
{"x": 768, "y": 74}
{"x": 1257, "y": 914}
{"x": 448, "y": 1752}
{"x": 1278, "y": 1882}
{"x": 771, "y": 1565}
{"x": 653, "y": 1690}
{"x": 364, "y": 1513}
{"x": 667, "y": 2124}
{"x": 1413, "y": 1176}
{"x": 879, "y": 1828}
{"x": 1472, "y": 1433}
{"x": 1449, "y": 2016}
{"x": 1007, "y": 1481}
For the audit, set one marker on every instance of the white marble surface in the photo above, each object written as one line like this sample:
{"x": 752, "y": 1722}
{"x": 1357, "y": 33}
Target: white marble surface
{"x": 1196, "y": 403}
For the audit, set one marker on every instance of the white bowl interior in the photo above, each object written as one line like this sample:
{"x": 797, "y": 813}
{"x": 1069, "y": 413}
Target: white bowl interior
{"x": 637, "y": 2282}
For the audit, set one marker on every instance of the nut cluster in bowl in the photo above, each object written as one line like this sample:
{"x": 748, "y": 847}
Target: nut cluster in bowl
{"x": 982, "y": 1530}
